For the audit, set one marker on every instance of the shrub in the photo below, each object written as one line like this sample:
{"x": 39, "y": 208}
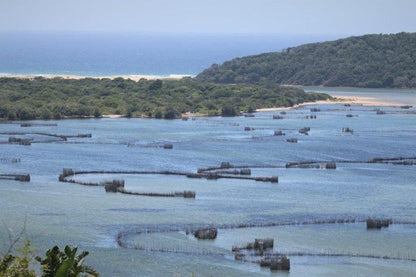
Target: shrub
{"x": 56, "y": 263}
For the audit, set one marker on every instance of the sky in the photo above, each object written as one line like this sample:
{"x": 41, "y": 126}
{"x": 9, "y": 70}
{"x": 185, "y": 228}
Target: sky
{"x": 349, "y": 17}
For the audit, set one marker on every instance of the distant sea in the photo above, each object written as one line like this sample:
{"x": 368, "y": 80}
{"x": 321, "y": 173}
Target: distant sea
{"x": 103, "y": 54}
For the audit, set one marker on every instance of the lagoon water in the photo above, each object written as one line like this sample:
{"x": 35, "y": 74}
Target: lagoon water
{"x": 64, "y": 213}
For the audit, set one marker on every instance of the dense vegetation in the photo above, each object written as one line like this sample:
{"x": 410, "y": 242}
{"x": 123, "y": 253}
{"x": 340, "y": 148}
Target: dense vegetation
{"x": 364, "y": 61}
{"x": 59, "y": 98}
{"x": 56, "y": 263}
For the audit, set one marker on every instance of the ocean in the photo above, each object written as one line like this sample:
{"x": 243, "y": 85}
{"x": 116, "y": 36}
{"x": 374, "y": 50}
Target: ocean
{"x": 104, "y": 54}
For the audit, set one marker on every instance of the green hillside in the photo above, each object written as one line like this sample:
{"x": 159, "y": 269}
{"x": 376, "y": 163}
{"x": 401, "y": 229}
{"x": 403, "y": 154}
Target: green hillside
{"x": 364, "y": 61}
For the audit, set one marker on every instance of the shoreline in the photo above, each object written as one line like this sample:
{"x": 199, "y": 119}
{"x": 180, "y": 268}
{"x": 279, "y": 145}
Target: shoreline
{"x": 367, "y": 100}
{"x": 341, "y": 99}
{"x": 133, "y": 77}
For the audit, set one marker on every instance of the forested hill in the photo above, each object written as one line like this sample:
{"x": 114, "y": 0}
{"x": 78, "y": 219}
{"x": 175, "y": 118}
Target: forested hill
{"x": 364, "y": 61}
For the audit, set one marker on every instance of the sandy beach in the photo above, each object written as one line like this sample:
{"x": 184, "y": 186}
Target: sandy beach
{"x": 367, "y": 101}
{"x": 342, "y": 99}
{"x": 78, "y": 77}
{"x": 112, "y": 116}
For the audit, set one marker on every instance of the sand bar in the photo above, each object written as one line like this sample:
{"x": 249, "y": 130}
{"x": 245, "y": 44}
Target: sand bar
{"x": 343, "y": 99}
{"x": 112, "y": 115}
{"x": 368, "y": 101}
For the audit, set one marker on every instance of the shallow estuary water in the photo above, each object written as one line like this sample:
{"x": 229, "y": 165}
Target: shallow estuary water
{"x": 65, "y": 213}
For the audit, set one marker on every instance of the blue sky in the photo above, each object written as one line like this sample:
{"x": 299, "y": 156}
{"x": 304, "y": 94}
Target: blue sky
{"x": 349, "y": 17}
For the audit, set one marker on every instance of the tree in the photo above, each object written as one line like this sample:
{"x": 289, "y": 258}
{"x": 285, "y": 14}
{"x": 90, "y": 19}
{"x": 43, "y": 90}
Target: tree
{"x": 156, "y": 84}
{"x": 45, "y": 114}
{"x": 55, "y": 264}
{"x": 97, "y": 113}
{"x": 170, "y": 113}
{"x": 228, "y": 110}
{"x": 11, "y": 115}
{"x": 251, "y": 109}
{"x": 18, "y": 266}
{"x": 65, "y": 264}
{"x": 158, "y": 114}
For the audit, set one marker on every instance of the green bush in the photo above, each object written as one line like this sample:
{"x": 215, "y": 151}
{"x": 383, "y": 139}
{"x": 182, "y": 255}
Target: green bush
{"x": 56, "y": 263}
{"x": 18, "y": 266}
{"x": 228, "y": 110}
{"x": 170, "y": 113}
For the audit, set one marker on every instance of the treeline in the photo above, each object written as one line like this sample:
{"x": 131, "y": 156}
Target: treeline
{"x": 372, "y": 61}
{"x": 43, "y": 98}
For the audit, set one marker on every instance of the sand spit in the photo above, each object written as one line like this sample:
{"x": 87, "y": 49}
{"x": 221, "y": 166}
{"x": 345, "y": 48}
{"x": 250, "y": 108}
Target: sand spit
{"x": 342, "y": 99}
